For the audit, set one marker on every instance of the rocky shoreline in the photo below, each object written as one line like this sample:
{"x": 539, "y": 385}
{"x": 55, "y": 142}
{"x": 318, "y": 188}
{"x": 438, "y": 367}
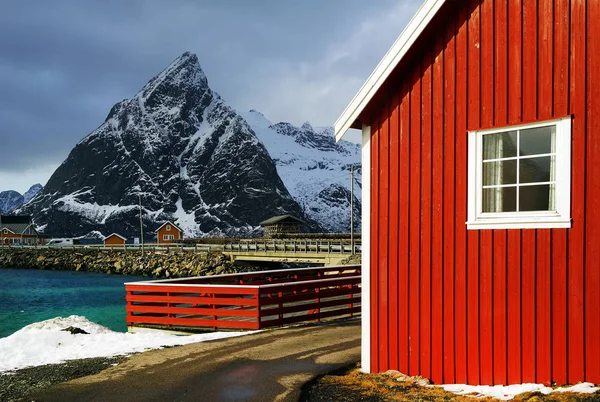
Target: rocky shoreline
{"x": 17, "y": 385}
{"x": 156, "y": 264}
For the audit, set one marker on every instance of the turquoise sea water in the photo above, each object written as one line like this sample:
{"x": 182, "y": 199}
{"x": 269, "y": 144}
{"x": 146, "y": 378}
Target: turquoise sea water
{"x": 28, "y": 296}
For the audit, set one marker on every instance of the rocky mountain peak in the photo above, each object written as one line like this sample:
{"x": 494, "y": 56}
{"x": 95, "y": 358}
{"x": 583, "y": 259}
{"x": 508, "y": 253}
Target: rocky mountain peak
{"x": 32, "y": 192}
{"x": 178, "y": 145}
{"x": 307, "y": 126}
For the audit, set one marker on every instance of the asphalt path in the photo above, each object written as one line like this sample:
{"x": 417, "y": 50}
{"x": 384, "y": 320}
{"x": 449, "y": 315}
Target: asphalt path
{"x": 267, "y": 366}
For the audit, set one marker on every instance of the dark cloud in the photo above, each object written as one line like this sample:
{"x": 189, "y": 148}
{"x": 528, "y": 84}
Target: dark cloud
{"x": 63, "y": 64}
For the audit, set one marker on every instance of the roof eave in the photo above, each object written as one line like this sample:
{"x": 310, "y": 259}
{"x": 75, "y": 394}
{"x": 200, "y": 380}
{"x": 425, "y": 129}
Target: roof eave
{"x": 414, "y": 29}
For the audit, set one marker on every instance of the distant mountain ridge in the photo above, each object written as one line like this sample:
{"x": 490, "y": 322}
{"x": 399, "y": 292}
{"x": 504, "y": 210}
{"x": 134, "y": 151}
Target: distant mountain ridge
{"x": 314, "y": 168}
{"x": 178, "y": 145}
{"x": 10, "y": 200}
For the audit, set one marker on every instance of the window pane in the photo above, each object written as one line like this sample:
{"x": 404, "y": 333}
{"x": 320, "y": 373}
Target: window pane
{"x": 535, "y": 141}
{"x": 500, "y": 172}
{"x": 500, "y": 145}
{"x": 535, "y": 169}
{"x": 534, "y": 198}
{"x": 502, "y": 199}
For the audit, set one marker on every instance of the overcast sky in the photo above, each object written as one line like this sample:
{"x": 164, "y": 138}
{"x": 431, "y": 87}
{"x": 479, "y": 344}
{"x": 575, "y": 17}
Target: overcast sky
{"x": 63, "y": 64}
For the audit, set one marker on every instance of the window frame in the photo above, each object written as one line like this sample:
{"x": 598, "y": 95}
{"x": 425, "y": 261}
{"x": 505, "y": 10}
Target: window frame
{"x": 559, "y": 218}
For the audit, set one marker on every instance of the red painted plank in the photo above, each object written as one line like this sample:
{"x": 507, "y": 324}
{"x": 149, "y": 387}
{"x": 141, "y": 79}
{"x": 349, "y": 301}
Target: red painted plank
{"x": 414, "y": 229}
{"x": 486, "y": 245}
{"x": 192, "y": 300}
{"x": 500, "y": 301}
{"x": 500, "y": 308}
{"x": 515, "y": 54}
{"x": 543, "y": 307}
{"x": 375, "y": 341}
{"x": 405, "y": 165}
{"x": 393, "y": 230}
{"x": 514, "y": 358}
{"x": 559, "y": 237}
{"x": 473, "y": 121}
{"x": 437, "y": 360}
{"x": 545, "y": 58}
{"x": 426, "y": 183}
{"x": 486, "y": 307}
{"x": 592, "y": 235}
{"x": 221, "y": 291}
{"x": 530, "y": 50}
{"x": 220, "y": 312}
{"x": 545, "y": 107}
{"x": 529, "y": 78}
{"x": 449, "y": 202}
{"x": 460, "y": 274}
{"x": 191, "y": 322}
{"x": 576, "y": 239}
{"x": 384, "y": 203}
{"x": 528, "y": 316}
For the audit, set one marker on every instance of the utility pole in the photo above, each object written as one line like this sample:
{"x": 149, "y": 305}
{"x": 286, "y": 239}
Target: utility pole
{"x": 141, "y": 225}
{"x": 352, "y": 208}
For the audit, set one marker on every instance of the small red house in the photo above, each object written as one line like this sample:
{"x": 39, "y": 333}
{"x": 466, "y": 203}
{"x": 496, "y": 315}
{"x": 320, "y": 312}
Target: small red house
{"x": 481, "y": 143}
{"x": 114, "y": 240}
{"x": 19, "y": 230}
{"x": 168, "y": 233}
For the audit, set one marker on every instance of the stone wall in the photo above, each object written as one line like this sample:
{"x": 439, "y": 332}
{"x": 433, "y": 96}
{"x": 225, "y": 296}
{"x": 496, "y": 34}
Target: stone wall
{"x": 159, "y": 264}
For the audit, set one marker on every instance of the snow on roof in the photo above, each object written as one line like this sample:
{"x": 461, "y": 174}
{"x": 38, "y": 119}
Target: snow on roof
{"x": 407, "y": 38}
{"x": 115, "y": 234}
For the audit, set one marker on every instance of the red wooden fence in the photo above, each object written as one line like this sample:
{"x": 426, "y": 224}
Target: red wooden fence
{"x": 245, "y": 301}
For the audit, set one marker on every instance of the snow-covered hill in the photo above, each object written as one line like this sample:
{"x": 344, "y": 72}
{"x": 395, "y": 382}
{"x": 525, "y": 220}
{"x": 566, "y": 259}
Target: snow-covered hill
{"x": 11, "y": 200}
{"x": 315, "y": 170}
{"x": 177, "y": 145}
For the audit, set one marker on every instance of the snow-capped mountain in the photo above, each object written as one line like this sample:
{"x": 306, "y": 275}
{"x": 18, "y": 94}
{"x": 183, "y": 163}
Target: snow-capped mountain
{"x": 176, "y": 144}
{"x": 32, "y": 192}
{"x": 315, "y": 170}
{"x": 11, "y": 200}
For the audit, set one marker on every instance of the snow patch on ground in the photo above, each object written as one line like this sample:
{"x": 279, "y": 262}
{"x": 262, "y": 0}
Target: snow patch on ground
{"x": 45, "y": 343}
{"x": 508, "y": 392}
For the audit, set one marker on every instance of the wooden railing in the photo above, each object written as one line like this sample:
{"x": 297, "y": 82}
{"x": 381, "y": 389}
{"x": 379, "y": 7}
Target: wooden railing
{"x": 245, "y": 301}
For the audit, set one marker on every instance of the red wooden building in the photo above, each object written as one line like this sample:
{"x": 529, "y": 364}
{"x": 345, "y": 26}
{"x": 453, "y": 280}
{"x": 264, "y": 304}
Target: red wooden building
{"x": 114, "y": 240}
{"x": 481, "y": 136}
{"x": 168, "y": 232}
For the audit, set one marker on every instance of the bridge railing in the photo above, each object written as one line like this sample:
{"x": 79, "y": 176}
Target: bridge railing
{"x": 245, "y": 301}
{"x": 294, "y": 246}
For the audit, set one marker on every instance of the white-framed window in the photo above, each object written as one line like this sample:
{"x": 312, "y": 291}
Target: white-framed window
{"x": 168, "y": 237}
{"x": 520, "y": 176}
{"x": 168, "y": 228}
{"x": 5, "y": 231}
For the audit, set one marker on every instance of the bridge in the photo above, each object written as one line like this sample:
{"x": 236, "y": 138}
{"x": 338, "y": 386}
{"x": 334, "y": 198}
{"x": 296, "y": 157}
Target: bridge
{"x": 326, "y": 252}
{"x": 329, "y": 252}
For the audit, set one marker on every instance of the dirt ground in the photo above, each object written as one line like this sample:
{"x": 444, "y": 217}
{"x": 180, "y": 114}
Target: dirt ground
{"x": 351, "y": 385}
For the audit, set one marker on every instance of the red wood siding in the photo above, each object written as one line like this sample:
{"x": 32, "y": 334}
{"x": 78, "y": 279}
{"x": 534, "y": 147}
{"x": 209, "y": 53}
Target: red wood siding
{"x": 114, "y": 241}
{"x": 487, "y": 306}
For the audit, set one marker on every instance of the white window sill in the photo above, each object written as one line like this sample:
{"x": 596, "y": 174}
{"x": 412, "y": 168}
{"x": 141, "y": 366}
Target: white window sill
{"x": 531, "y": 223}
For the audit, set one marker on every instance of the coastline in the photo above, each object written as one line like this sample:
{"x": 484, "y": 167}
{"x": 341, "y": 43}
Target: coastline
{"x": 159, "y": 264}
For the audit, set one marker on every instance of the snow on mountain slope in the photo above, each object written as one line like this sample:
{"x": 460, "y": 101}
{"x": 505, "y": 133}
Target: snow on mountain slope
{"x": 11, "y": 200}
{"x": 315, "y": 170}
{"x": 32, "y": 192}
